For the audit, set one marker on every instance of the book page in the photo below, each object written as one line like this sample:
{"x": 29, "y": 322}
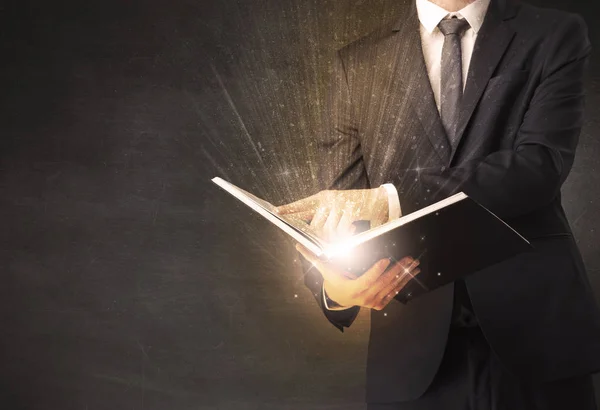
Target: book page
{"x": 296, "y": 228}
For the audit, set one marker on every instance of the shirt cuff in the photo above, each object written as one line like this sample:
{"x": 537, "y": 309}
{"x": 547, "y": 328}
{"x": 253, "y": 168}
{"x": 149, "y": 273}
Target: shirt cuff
{"x": 394, "y": 209}
{"x": 331, "y": 308}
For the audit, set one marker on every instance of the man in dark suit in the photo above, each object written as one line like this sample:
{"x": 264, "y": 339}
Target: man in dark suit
{"x": 484, "y": 97}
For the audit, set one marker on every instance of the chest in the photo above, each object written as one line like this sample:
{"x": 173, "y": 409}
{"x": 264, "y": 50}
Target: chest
{"x": 398, "y": 119}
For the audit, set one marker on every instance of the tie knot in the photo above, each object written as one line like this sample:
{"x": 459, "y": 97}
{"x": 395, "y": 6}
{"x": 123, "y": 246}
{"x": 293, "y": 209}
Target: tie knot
{"x": 453, "y": 26}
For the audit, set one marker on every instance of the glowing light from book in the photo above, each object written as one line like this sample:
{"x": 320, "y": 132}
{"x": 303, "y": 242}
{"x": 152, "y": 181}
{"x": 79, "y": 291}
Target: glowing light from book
{"x": 340, "y": 250}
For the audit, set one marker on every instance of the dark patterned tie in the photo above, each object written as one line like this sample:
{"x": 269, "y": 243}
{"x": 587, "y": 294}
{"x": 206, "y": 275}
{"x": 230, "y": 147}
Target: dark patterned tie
{"x": 452, "y": 81}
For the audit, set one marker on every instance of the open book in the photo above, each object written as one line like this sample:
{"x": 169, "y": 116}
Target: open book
{"x": 451, "y": 238}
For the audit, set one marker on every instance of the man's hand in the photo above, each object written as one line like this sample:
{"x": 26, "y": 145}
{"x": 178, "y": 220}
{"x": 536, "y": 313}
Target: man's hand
{"x": 374, "y": 289}
{"x": 331, "y": 213}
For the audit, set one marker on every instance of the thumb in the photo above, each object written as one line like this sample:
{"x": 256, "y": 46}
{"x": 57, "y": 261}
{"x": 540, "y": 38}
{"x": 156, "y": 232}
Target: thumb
{"x": 329, "y": 273}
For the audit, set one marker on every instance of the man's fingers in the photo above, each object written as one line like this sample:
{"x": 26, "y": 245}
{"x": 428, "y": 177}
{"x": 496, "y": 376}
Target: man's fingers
{"x": 368, "y": 204}
{"x": 394, "y": 272}
{"x": 317, "y": 222}
{"x": 392, "y": 289}
{"x": 388, "y": 281}
{"x": 345, "y": 227}
{"x": 305, "y": 216}
{"x": 390, "y": 276}
{"x": 369, "y": 277}
{"x": 331, "y": 224}
{"x": 397, "y": 277}
{"x": 399, "y": 274}
{"x": 302, "y": 205}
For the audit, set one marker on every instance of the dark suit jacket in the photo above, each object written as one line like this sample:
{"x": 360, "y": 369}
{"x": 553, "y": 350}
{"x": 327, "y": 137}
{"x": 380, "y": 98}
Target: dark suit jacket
{"x": 521, "y": 117}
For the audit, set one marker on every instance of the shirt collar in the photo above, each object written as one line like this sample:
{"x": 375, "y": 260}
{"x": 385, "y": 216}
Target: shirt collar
{"x": 431, "y": 14}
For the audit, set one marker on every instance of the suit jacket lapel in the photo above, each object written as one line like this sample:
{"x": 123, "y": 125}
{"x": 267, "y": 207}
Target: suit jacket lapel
{"x": 492, "y": 41}
{"x": 411, "y": 65}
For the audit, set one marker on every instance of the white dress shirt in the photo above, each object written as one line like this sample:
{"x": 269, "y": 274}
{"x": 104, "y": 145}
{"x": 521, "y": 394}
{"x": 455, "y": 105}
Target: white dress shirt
{"x": 432, "y": 41}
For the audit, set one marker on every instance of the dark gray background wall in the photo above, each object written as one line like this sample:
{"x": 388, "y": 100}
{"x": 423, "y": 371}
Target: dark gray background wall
{"x": 128, "y": 280}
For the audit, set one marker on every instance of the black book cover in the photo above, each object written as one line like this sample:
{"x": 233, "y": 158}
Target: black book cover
{"x": 450, "y": 243}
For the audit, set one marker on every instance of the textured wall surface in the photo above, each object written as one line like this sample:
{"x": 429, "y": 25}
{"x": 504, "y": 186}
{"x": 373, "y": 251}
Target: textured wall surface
{"x": 129, "y": 281}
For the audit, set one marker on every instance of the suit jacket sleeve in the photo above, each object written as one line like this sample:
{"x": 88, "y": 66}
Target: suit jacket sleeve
{"x": 341, "y": 166}
{"x": 314, "y": 281}
{"x": 516, "y": 182}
